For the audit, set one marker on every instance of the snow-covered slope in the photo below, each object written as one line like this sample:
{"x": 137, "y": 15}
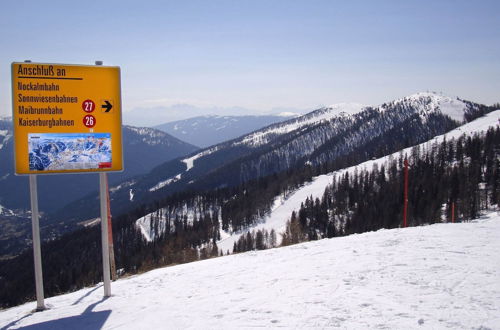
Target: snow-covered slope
{"x": 340, "y": 117}
{"x": 443, "y": 276}
{"x": 152, "y": 136}
{"x": 324, "y": 114}
{"x": 283, "y": 208}
{"x": 425, "y": 103}
{"x": 428, "y": 102}
{"x": 5, "y": 136}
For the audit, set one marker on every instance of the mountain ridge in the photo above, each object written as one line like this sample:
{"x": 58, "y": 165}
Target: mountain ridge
{"x": 316, "y": 138}
{"x": 205, "y": 131}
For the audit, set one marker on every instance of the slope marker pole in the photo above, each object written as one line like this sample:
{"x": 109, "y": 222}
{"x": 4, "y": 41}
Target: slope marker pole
{"x": 110, "y": 235}
{"x": 452, "y": 212}
{"x": 405, "y": 209}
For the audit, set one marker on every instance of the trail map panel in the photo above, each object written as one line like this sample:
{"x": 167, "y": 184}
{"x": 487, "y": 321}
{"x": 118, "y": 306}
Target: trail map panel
{"x": 60, "y": 152}
{"x": 60, "y": 125}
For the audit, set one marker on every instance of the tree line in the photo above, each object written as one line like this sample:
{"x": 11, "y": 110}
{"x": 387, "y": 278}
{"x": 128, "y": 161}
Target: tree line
{"x": 459, "y": 176}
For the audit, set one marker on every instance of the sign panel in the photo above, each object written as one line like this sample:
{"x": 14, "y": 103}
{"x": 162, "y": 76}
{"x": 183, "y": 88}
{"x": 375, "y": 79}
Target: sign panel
{"x": 67, "y": 118}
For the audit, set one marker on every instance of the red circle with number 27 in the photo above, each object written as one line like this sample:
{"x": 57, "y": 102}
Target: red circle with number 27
{"x": 89, "y": 121}
{"x": 88, "y": 106}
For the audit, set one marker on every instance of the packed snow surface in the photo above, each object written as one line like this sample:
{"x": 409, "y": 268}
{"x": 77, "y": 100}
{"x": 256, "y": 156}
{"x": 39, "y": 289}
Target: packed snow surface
{"x": 442, "y": 276}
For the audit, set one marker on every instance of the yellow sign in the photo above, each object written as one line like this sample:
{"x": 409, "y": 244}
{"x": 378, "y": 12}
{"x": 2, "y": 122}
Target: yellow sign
{"x": 67, "y": 118}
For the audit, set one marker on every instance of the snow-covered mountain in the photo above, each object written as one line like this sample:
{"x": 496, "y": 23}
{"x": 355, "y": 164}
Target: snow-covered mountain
{"x": 204, "y": 131}
{"x": 325, "y": 114}
{"x": 144, "y": 148}
{"x": 345, "y": 132}
{"x": 431, "y": 277}
{"x": 283, "y": 207}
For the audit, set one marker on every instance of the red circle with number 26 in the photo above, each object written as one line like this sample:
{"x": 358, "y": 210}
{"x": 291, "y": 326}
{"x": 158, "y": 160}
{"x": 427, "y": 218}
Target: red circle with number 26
{"x": 89, "y": 121}
{"x": 88, "y": 106}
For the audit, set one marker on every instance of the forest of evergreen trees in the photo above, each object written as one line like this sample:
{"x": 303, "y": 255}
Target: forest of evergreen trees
{"x": 463, "y": 172}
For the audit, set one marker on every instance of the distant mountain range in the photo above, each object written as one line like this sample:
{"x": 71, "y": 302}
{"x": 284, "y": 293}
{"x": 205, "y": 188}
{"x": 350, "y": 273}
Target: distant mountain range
{"x": 336, "y": 134}
{"x": 204, "y": 131}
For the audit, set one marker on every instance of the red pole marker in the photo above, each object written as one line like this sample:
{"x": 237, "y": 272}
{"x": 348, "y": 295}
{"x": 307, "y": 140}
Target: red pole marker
{"x": 453, "y": 212}
{"x": 110, "y": 236}
{"x": 405, "y": 208}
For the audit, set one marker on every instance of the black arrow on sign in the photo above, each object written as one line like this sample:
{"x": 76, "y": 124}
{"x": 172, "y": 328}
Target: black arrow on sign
{"x": 107, "y": 106}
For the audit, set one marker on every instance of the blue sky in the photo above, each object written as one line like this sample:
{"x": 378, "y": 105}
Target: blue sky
{"x": 229, "y": 56}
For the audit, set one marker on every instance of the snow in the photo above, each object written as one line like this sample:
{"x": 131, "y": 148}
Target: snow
{"x": 288, "y": 114}
{"x": 144, "y": 225}
{"x": 190, "y": 161}
{"x": 189, "y": 212}
{"x": 482, "y": 124}
{"x": 5, "y": 211}
{"x": 164, "y": 183}
{"x": 428, "y": 101}
{"x": 283, "y": 208}
{"x": 6, "y": 137}
{"x": 150, "y": 136}
{"x": 91, "y": 222}
{"x": 122, "y": 185}
{"x": 189, "y": 165}
{"x": 431, "y": 277}
{"x": 280, "y": 212}
{"x": 347, "y": 108}
{"x": 262, "y": 136}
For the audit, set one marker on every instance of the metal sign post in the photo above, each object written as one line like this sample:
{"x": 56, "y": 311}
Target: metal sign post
{"x": 103, "y": 195}
{"x": 104, "y": 234}
{"x": 37, "y": 255}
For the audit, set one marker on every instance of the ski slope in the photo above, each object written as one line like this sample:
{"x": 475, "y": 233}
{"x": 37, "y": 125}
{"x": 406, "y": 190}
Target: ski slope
{"x": 283, "y": 208}
{"x": 442, "y": 276}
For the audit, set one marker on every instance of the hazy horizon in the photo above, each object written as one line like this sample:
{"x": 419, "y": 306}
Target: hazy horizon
{"x": 244, "y": 58}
